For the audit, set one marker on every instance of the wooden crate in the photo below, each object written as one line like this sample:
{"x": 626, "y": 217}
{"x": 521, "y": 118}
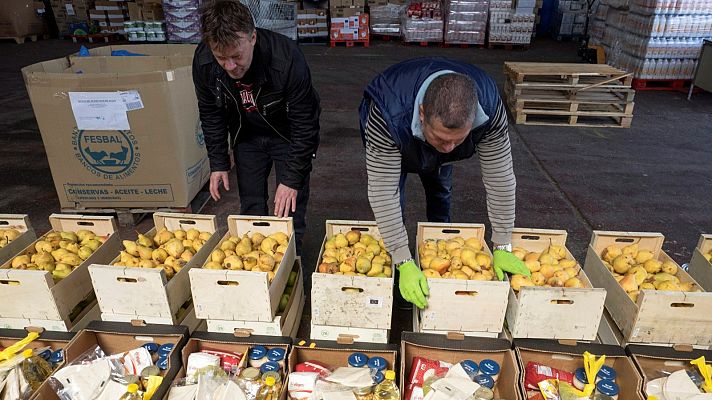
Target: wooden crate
{"x": 34, "y": 296}
{"x": 485, "y": 301}
{"x": 553, "y": 313}
{"x": 21, "y": 222}
{"x": 335, "y": 355}
{"x": 418, "y": 327}
{"x": 699, "y": 268}
{"x": 185, "y": 317}
{"x": 88, "y": 314}
{"x": 661, "y": 317}
{"x": 243, "y": 295}
{"x": 126, "y": 294}
{"x": 569, "y": 94}
{"x": 285, "y": 324}
{"x": 334, "y": 309}
{"x": 344, "y": 334}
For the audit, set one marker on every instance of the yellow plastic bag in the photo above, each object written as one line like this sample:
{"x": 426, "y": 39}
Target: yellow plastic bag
{"x": 10, "y": 351}
{"x": 153, "y": 383}
{"x": 705, "y": 371}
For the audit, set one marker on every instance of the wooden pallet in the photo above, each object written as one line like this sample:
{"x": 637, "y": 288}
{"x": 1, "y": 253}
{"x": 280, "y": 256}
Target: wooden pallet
{"x": 423, "y": 44}
{"x": 577, "y": 118}
{"x": 350, "y": 43}
{"x": 568, "y": 74}
{"x": 23, "y": 39}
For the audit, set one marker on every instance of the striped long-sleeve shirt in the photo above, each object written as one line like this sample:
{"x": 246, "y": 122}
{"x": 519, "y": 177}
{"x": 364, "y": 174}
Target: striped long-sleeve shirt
{"x": 383, "y": 164}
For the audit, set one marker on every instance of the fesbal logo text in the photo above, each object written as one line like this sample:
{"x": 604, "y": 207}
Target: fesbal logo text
{"x": 109, "y": 155}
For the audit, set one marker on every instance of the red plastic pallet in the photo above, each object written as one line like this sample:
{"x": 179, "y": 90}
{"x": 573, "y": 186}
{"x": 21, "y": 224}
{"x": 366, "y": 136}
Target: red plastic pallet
{"x": 350, "y": 43}
{"x": 677, "y": 85}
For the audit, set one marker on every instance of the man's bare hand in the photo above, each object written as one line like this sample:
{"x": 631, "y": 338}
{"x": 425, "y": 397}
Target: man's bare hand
{"x": 285, "y": 200}
{"x": 215, "y": 179}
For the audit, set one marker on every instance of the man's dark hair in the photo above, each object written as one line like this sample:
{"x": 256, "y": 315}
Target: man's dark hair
{"x": 222, "y": 20}
{"x": 453, "y": 99}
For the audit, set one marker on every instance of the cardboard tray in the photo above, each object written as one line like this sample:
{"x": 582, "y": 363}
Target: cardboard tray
{"x": 30, "y": 296}
{"x": 126, "y": 293}
{"x": 486, "y": 301}
{"x": 568, "y": 357}
{"x": 553, "y": 313}
{"x": 21, "y": 222}
{"x": 661, "y": 317}
{"x": 115, "y": 337}
{"x": 442, "y": 348}
{"x": 244, "y": 295}
{"x": 370, "y": 308}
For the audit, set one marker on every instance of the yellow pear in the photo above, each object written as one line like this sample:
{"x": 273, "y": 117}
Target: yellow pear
{"x": 10, "y": 234}
{"x": 58, "y": 275}
{"x": 573, "y": 283}
{"x": 145, "y": 241}
{"x": 218, "y": 256}
{"x": 266, "y": 262}
{"x": 520, "y": 253}
{"x": 269, "y": 245}
{"x": 474, "y": 243}
{"x": 425, "y": 262}
{"x": 667, "y": 285}
{"x": 174, "y": 247}
{"x": 451, "y": 245}
{"x": 180, "y": 234}
{"x": 70, "y": 236}
{"x": 163, "y": 236}
{"x": 42, "y": 257}
{"x": 533, "y": 265}
{"x": 430, "y": 244}
{"x": 363, "y": 265}
{"x": 555, "y": 281}
{"x": 233, "y": 263}
{"x": 144, "y": 253}
{"x": 483, "y": 260}
{"x": 455, "y": 263}
{"x": 43, "y": 245}
{"x": 631, "y": 249}
{"x": 669, "y": 267}
{"x": 71, "y": 259}
{"x": 562, "y": 275}
{"x": 229, "y": 245}
{"x": 532, "y": 256}
{"x": 188, "y": 243}
{"x": 349, "y": 265}
{"x": 628, "y": 283}
{"x": 634, "y": 295}
{"x": 187, "y": 255}
{"x": 281, "y": 249}
{"x": 192, "y": 234}
{"x": 431, "y": 273}
{"x": 243, "y": 247}
{"x": 257, "y": 239}
{"x": 167, "y": 270}
{"x": 468, "y": 271}
{"x": 456, "y": 252}
{"x": 388, "y": 272}
{"x": 205, "y": 236}
{"x": 213, "y": 265}
{"x": 639, "y": 273}
{"x": 353, "y": 236}
{"x": 664, "y": 276}
{"x": 687, "y": 287}
{"x": 373, "y": 248}
{"x": 567, "y": 263}
{"x": 621, "y": 264}
{"x": 159, "y": 255}
{"x": 280, "y": 237}
{"x": 519, "y": 281}
{"x": 47, "y": 265}
{"x": 547, "y": 270}
{"x": 19, "y": 261}
{"x": 131, "y": 247}
{"x": 93, "y": 244}
{"x": 647, "y": 286}
{"x": 546, "y": 258}
{"x": 375, "y": 269}
{"x": 538, "y": 278}
{"x": 611, "y": 252}
{"x": 85, "y": 252}
{"x": 249, "y": 263}
{"x": 652, "y": 266}
{"x": 439, "y": 264}
{"x": 147, "y": 264}
{"x": 643, "y": 256}
{"x": 330, "y": 244}
{"x": 556, "y": 251}
{"x": 341, "y": 241}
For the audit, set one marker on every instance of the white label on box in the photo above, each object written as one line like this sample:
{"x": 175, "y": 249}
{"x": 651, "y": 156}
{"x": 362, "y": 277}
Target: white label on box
{"x": 99, "y": 111}
{"x": 132, "y": 100}
{"x": 374, "y": 302}
{"x": 70, "y": 9}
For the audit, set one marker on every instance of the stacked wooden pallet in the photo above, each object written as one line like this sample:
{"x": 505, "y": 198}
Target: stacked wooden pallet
{"x": 569, "y": 94}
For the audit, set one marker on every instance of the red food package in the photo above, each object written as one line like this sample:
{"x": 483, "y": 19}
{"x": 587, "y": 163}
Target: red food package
{"x": 535, "y": 373}
{"x": 422, "y": 369}
{"x": 228, "y": 361}
{"x": 313, "y": 366}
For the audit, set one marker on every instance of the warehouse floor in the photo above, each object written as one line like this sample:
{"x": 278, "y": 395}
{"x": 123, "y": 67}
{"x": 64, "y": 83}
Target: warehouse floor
{"x": 655, "y": 176}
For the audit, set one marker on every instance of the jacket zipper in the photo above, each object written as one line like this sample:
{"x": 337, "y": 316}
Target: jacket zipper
{"x": 265, "y": 119}
{"x": 232, "y": 145}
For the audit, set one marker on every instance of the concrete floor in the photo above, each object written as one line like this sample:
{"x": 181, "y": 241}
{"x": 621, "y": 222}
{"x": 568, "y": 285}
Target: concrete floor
{"x": 655, "y": 176}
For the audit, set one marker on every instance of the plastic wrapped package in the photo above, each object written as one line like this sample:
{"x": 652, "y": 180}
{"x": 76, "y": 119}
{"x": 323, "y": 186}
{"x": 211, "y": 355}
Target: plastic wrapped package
{"x": 385, "y": 20}
{"x": 466, "y": 21}
{"x": 422, "y": 22}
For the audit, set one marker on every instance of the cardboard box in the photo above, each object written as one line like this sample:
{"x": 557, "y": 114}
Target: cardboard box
{"x": 20, "y": 222}
{"x": 135, "y": 12}
{"x": 553, "y": 313}
{"x": 569, "y": 357}
{"x": 285, "y": 323}
{"x": 662, "y": 317}
{"x": 126, "y": 294}
{"x": 336, "y": 355}
{"x": 370, "y": 306}
{"x": 216, "y": 291}
{"x": 32, "y": 298}
{"x": 160, "y": 161}
{"x": 655, "y": 362}
{"x": 114, "y": 338}
{"x": 699, "y": 268}
{"x": 106, "y": 5}
{"x": 153, "y": 12}
{"x": 442, "y": 348}
{"x": 345, "y": 12}
{"x": 18, "y": 19}
{"x": 486, "y": 301}
{"x": 163, "y": 50}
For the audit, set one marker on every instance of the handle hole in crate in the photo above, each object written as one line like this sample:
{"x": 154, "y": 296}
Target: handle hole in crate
{"x": 228, "y": 283}
{"x": 359, "y": 228}
{"x": 4, "y": 222}
{"x": 625, "y": 240}
{"x": 561, "y": 357}
{"x": 85, "y": 223}
{"x": 562, "y": 301}
{"x": 672, "y": 363}
{"x": 261, "y": 223}
{"x": 531, "y": 237}
{"x": 126, "y": 279}
{"x": 186, "y": 222}
{"x": 682, "y": 305}
{"x": 466, "y": 293}
{"x": 351, "y": 290}
{"x": 451, "y": 231}
{"x": 11, "y": 283}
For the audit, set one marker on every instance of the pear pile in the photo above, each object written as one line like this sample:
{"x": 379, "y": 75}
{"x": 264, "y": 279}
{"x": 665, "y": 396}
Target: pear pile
{"x": 7, "y": 236}
{"x": 255, "y": 252}
{"x": 59, "y": 252}
{"x": 356, "y": 254}
{"x": 708, "y": 255}
{"x": 637, "y": 270}
{"x": 167, "y": 250}
{"x": 550, "y": 268}
{"x": 455, "y": 258}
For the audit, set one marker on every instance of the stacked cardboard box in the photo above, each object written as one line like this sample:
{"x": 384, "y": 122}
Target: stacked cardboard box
{"x": 146, "y": 21}
{"x": 109, "y": 16}
{"x": 19, "y": 18}
{"x": 509, "y": 25}
{"x": 385, "y": 18}
{"x": 70, "y": 14}
{"x": 312, "y": 23}
{"x": 570, "y": 18}
{"x": 146, "y": 10}
{"x": 350, "y": 28}
{"x": 422, "y": 22}
{"x": 346, "y": 8}
{"x": 466, "y": 21}
{"x": 182, "y": 20}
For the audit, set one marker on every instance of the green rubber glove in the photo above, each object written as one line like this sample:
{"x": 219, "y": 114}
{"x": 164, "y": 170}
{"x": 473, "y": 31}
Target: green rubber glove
{"x": 413, "y": 285}
{"x": 505, "y": 261}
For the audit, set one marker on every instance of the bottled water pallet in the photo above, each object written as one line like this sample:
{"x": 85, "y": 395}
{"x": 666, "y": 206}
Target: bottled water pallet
{"x": 673, "y": 85}
{"x": 569, "y": 94}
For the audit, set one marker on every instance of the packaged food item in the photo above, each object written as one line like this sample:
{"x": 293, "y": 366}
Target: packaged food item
{"x": 147, "y": 373}
{"x": 165, "y": 349}
{"x": 535, "y": 373}
{"x": 607, "y": 373}
{"x": 358, "y": 360}
{"x": 422, "y": 369}
{"x": 364, "y": 393}
{"x": 35, "y": 369}
{"x": 229, "y": 361}
{"x": 131, "y": 393}
{"x": 580, "y": 379}
{"x": 608, "y": 388}
{"x": 471, "y": 368}
{"x": 197, "y": 361}
{"x": 387, "y": 390}
{"x": 133, "y": 361}
{"x": 301, "y": 385}
{"x": 485, "y": 381}
{"x": 249, "y": 381}
{"x": 313, "y": 366}
{"x": 491, "y": 368}
{"x": 277, "y": 355}
{"x": 270, "y": 366}
{"x": 377, "y": 363}
{"x": 257, "y": 356}
{"x": 483, "y": 393}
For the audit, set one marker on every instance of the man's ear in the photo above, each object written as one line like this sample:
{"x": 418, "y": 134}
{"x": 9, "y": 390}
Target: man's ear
{"x": 421, "y": 112}
{"x": 253, "y": 39}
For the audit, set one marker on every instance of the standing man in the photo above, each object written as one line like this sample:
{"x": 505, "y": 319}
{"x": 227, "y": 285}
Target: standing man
{"x": 256, "y": 100}
{"x": 420, "y": 116}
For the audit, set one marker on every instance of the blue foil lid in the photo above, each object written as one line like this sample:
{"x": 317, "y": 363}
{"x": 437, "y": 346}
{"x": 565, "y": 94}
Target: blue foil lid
{"x": 358, "y": 360}
{"x": 151, "y": 347}
{"x": 485, "y": 380}
{"x": 165, "y": 349}
{"x": 258, "y": 352}
{"x": 470, "y": 367}
{"x": 379, "y": 377}
{"x": 607, "y": 387}
{"x": 57, "y": 356}
{"x": 46, "y": 354}
{"x": 580, "y": 374}
{"x": 269, "y": 366}
{"x": 489, "y": 367}
{"x": 276, "y": 354}
{"x": 607, "y": 372}
{"x": 378, "y": 363}
{"x": 162, "y": 363}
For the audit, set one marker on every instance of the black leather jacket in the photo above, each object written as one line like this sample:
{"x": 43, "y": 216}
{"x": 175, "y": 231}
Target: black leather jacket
{"x": 285, "y": 99}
